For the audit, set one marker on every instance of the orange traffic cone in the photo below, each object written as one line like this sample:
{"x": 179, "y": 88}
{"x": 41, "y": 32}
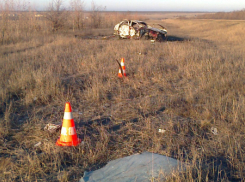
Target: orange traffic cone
{"x": 68, "y": 135}
{"x": 120, "y": 74}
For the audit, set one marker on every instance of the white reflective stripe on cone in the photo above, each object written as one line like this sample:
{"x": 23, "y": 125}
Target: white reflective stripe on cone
{"x": 122, "y": 63}
{"x": 71, "y": 131}
{"x": 68, "y": 115}
{"x": 63, "y": 131}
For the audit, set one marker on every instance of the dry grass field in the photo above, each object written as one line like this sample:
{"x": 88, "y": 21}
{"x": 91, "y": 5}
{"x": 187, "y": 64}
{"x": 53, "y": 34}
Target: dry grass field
{"x": 189, "y": 86}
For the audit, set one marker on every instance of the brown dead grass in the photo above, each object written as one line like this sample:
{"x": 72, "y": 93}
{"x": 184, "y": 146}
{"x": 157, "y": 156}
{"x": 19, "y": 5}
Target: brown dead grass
{"x": 227, "y": 34}
{"x": 234, "y": 15}
{"x": 185, "y": 87}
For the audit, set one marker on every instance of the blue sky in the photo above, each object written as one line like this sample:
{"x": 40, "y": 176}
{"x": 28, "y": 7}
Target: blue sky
{"x": 156, "y": 5}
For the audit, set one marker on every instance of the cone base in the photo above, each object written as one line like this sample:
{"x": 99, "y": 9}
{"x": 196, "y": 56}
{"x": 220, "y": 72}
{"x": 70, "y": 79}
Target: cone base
{"x": 74, "y": 143}
{"x": 120, "y": 75}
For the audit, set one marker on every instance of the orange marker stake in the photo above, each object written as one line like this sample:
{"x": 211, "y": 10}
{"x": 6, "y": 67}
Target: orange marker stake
{"x": 123, "y": 72}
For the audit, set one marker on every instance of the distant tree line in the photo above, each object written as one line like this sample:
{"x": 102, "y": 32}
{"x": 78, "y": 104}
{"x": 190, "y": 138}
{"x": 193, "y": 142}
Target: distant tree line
{"x": 234, "y": 15}
{"x": 19, "y": 20}
{"x": 74, "y": 16}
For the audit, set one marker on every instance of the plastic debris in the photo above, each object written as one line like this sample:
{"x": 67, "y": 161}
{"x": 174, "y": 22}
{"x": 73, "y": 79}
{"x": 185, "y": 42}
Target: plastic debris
{"x": 214, "y": 131}
{"x": 161, "y": 130}
{"x": 38, "y": 144}
{"x": 52, "y": 128}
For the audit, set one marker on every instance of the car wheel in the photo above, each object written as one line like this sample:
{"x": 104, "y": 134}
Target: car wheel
{"x": 161, "y": 37}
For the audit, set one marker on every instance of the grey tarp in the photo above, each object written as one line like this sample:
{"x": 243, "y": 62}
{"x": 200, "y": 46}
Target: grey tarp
{"x": 136, "y": 167}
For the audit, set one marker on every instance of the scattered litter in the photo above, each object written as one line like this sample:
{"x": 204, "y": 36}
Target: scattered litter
{"x": 214, "y": 131}
{"x": 80, "y": 113}
{"x": 161, "y": 131}
{"x": 38, "y": 144}
{"x": 138, "y": 167}
{"x": 152, "y": 41}
{"x": 52, "y": 128}
{"x": 107, "y": 105}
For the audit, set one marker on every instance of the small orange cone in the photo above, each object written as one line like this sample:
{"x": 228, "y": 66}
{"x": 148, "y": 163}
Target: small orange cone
{"x": 68, "y": 135}
{"x": 120, "y": 74}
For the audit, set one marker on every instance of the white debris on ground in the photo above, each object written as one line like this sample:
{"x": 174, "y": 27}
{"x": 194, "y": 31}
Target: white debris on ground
{"x": 161, "y": 130}
{"x": 214, "y": 131}
{"x": 38, "y": 144}
{"x": 52, "y": 128}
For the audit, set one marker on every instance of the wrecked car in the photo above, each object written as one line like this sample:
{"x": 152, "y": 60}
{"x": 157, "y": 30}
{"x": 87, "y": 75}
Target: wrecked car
{"x": 138, "y": 29}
